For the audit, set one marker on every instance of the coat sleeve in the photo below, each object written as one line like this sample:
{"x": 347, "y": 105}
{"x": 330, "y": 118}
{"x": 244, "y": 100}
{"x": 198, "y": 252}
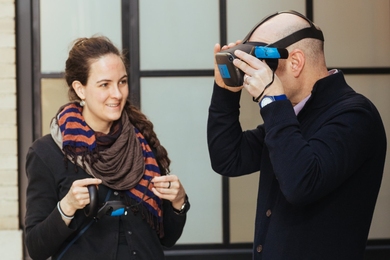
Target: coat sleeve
{"x": 45, "y": 229}
{"x": 232, "y": 152}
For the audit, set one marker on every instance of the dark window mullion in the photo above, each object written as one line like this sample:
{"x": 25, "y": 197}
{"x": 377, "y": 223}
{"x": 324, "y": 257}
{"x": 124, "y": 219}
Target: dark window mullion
{"x": 225, "y": 180}
{"x": 37, "y": 74}
{"x": 309, "y": 9}
{"x": 131, "y": 44}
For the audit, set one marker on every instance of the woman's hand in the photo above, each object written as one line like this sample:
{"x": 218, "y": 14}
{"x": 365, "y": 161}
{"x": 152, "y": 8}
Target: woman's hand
{"x": 169, "y": 187}
{"x": 217, "y": 74}
{"x": 77, "y": 196}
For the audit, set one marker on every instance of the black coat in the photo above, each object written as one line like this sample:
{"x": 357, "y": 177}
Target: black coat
{"x": 320, "y": 171}
{"x": 46, "y": 233}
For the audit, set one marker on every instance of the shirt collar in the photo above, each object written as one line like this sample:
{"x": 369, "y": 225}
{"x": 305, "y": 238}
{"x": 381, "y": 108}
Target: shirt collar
{"x": 298, "y": 107}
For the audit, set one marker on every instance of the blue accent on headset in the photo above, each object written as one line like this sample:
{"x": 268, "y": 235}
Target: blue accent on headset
{"x": 118, "y": 212}
{"x": 262, "y": 52}
{"x": 223, "y": 69}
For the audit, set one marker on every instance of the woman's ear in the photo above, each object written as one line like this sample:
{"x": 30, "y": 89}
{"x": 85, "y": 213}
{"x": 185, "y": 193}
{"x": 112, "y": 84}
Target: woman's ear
{"x": 297, "y": 62}
{"x": 79, "y": 89}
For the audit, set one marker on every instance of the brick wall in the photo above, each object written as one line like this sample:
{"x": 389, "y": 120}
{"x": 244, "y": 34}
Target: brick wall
{"x": 10, "y": 233}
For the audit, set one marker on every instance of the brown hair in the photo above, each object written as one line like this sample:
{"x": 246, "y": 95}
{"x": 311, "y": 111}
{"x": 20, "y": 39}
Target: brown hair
{"x": 77, "y": 67}
{"x": 84, "y": 52}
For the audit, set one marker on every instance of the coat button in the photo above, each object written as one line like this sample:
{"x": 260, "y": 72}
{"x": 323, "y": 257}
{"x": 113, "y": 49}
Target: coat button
{"x": 259, "y": 248}
{"x": 268, "y": 213}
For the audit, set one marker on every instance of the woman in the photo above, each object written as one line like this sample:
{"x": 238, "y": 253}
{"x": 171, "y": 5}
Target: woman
{"x": 100, "y": 140}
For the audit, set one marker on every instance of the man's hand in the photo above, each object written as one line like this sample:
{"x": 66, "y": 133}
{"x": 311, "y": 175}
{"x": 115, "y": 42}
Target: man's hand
{"x": 257, "y": 75}
{"x": 217, "y": 74}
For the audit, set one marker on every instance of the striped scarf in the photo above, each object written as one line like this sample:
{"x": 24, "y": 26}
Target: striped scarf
{"x": 132, "y": 171}
{"x": 142, "y": 192}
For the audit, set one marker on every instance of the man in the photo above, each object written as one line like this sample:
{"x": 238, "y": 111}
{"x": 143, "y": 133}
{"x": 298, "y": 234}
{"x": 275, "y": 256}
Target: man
{"x": 320, "y": 151}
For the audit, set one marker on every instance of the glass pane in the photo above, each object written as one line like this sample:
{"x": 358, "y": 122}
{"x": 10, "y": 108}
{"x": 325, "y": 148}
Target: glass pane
{"x": 253, "y": 11}
{"x": 54, "y": 93}
{"x": 177, "y": 34}
{"x": 178, "y": 108}
{"x": 357, "y": 35}
{"x": 64, "y": 21}
{"x": 376, "y": 88}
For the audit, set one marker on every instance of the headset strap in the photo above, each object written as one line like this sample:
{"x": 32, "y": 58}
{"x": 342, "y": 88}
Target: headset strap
{"x": 309, "y": 32}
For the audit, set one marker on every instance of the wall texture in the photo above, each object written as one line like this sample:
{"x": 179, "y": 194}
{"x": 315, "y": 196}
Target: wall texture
{"x": 10, "y": 233}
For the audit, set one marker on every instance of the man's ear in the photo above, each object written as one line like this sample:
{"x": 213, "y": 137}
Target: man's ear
{"x": 79, "y": 89}
{"x": 297, "y": 62}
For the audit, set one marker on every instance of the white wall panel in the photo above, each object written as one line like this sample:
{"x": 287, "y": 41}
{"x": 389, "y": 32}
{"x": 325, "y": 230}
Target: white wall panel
{"x": 356, "y": 32}
{"x": 177, "y": 34}
{"x": 64, "y": 21}
{"x": 243, "y": 15}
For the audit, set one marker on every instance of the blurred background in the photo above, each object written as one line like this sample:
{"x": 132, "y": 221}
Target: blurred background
{"x": 170, "y": 47}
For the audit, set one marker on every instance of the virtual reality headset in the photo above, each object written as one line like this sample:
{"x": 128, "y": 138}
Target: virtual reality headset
{"x": 269, "y": 53}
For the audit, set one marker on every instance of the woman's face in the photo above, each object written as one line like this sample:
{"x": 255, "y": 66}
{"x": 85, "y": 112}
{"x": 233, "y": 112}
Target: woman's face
{"x": 105, "y": 93}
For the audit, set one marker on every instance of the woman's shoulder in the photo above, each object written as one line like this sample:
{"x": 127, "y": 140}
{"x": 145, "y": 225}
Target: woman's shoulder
{"x": 45, "y": 140}
{"x": 45, "y": 145}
